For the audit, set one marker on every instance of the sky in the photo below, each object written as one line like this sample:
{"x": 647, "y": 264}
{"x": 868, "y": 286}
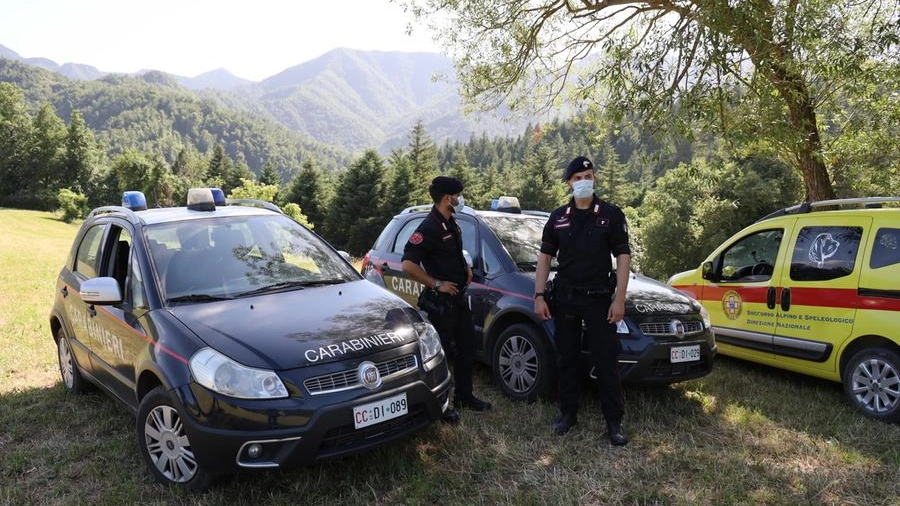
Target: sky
{"x": 252, "y": 39}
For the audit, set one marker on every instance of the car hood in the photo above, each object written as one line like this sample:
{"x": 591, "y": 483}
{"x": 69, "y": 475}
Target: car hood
{"x": 648, "y": 296}
{"x": 303, "y": 327}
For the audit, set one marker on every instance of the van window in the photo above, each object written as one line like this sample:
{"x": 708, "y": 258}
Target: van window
{"x": 751, "y": 259}
{"x": 886, "y": 250}
{"x": 823, "y": 253}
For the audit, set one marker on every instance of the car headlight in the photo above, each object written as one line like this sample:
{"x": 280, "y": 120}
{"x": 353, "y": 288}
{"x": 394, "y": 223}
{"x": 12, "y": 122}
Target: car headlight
{"x": 707, "y": 323}
{"x": 227, "y": 377}
{"x": 429, "y": 340}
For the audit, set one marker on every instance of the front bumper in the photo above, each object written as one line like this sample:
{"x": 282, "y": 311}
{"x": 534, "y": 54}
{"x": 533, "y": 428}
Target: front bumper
{"x": 646, "y": 360}
{"x": 306, "y": 429}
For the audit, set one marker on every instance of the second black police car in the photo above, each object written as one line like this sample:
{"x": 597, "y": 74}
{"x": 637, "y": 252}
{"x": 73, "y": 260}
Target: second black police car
{"x": 666, "y": 335}
{"x": 239, "y": 339}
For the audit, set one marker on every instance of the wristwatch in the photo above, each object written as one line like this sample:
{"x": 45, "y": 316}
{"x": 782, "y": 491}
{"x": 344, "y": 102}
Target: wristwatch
{"x": 538, "y": 294}
{"x": 437, "y": 283}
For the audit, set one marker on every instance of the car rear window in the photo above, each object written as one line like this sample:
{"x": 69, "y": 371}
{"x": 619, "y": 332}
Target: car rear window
{"x": 886, "y": 250}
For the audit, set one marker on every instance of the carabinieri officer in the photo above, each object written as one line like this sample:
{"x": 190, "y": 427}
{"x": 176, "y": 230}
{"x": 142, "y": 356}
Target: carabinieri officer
{"x": 586, "y": 233}
{"x": 434, "y": 257}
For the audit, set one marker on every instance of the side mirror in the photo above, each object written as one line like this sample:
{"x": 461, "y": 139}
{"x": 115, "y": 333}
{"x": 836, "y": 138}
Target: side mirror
{"x": 345, "y": 256}
{"x": 706, "y": 272}
{"x": 101, "y": 291}
{"x": 468, "y": 258}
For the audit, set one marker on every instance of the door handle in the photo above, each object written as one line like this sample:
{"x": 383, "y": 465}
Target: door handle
{"x": 384, "y": 266}
{"x": 92, "y": 311}
{"x": 785, "y": 299}
{"x": 770, "y": 297}
{"x": 65, "y": 291}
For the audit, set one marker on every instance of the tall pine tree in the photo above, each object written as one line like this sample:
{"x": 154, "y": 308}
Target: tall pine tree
{"x": 355, "y": 221}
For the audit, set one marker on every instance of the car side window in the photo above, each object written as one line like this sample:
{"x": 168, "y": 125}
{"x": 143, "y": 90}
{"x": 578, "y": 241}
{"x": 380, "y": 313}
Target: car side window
{"x": 489, "y": 259}
{"x": 469, "y": 236}
{"x": 752, "y": 258}
{"x": 403, "y": 236}
{"x": 136, "y": 285}
{"x": 823, "y": 253}
{"x": 87, "y": 260}
{"x": 886, "y": 250}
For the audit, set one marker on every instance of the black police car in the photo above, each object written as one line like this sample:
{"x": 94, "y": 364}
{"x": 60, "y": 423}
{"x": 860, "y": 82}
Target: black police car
{"x": 239, "y": 338}
{"x": 666, "y": 335}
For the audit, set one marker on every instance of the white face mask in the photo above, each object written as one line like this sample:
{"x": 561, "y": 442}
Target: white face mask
{"x": 583, "y": 189}
{"x": 459, "y": 204}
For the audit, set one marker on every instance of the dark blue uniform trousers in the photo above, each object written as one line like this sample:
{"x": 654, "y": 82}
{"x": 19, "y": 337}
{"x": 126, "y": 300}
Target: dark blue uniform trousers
{"x": 457, "y": 332}
{"x": 604, "y": 346}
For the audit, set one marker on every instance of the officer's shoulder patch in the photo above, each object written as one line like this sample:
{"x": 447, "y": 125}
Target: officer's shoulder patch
{"x": 416, "y": 238}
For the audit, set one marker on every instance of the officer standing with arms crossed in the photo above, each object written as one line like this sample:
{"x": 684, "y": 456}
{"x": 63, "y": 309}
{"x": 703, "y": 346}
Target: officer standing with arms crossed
{"x": 585, "y": 233}
{"x": 436, "y": 245}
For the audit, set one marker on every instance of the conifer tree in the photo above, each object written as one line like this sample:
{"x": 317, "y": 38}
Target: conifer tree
{"x": 312, "y": 190}
{"x": 81, "y": 155}
{"x": 354, "y": 221}
{"x": 401, "y": 187}
{"x": 423, "y": 158}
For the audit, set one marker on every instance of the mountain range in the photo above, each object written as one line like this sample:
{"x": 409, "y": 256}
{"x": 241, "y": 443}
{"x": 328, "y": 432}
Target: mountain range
{"x": 348, "y": 99}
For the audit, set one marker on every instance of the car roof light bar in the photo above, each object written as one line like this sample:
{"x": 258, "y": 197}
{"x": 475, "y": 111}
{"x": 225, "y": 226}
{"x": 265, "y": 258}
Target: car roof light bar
{"x": 201, "y": 199}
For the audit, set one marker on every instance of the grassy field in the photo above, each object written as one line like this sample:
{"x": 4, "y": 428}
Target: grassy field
{"x": 743, "y": 435}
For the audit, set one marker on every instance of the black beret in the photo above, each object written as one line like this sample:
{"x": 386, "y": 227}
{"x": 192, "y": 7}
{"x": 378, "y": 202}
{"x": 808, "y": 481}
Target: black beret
{"x": 444, "y": 185}
{"x": 578, "y": 164}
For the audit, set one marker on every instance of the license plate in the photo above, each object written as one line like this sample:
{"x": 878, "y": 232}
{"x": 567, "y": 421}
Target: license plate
{"x": 380, "y": 411}
{"x": 684, "y": 353}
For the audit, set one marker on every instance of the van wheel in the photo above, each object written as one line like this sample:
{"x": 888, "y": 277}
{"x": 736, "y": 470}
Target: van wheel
{"x": 872, "y": 382}
{"x": 72, "y": 380}
{"x": 164, "y": 444}
{"x": 523, "y": 363}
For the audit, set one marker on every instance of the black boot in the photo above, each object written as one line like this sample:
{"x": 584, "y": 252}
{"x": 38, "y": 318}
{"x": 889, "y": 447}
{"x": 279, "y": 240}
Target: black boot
{"x": 450, "y": 417}
{"x": 616, "y": 434}
{"x": 563, "y": 423}
{"x": 471, "y": 402}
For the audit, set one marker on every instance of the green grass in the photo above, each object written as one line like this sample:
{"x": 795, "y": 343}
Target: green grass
{"x": 745, "y": 434}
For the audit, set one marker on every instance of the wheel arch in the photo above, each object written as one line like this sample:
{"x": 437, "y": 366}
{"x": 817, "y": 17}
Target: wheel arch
{"x": 507, "y": 319}
{"x": 861, "y": 343}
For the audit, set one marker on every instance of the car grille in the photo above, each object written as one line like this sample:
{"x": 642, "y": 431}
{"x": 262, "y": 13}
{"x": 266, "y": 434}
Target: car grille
{"x": 346, "y": 380}
{"x": 662, "y": 328}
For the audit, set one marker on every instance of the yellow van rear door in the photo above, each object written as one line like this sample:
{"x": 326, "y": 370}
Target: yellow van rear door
{"x": 817, "y": 300}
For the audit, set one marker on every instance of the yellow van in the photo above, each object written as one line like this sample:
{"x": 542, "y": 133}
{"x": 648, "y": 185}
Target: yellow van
{"x": 813, "y": 288}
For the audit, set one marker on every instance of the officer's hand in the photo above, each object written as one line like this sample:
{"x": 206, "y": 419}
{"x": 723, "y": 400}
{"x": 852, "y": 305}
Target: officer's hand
{"x": 541, "y": 309}
{"x": 448, "y": 287}
{"x": 616, "y": 311}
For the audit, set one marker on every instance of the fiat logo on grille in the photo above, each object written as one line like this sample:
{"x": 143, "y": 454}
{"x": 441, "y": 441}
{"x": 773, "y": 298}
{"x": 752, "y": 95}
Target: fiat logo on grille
{"x": 368, "y": 375}
{"x": 677, "y": 328}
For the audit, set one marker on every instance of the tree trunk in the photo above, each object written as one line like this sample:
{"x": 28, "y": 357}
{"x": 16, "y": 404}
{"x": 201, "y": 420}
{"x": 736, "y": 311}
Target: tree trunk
{"x": 807, "y": 145}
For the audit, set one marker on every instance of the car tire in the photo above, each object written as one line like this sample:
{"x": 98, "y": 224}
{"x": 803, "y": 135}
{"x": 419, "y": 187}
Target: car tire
{"x": 872, "y": 383}
{"x": 164, "y": 443}
{"x": 72, "y": 379}
{"x": 524, "y": 364}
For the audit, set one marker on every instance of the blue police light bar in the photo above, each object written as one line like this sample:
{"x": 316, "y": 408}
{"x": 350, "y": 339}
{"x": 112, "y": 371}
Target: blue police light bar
{"x": 134, "y": 200}
{"x": 218, "y": 196}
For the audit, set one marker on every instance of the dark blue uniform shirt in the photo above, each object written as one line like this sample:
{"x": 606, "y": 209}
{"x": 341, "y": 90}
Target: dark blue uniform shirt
{"x": 584, "y": 240}
{"x": 437, "y": 246}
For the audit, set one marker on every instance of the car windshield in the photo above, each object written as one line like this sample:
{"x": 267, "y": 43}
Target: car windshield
{"x": 212, "y": 259}
{"x": 521, "y": 236}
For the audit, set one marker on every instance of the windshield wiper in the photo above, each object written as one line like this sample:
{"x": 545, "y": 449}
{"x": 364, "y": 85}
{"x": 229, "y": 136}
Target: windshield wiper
{"x": 290, "y": 285}
{"x": 527, "y": 266}
{"x": 198, "y": 297}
